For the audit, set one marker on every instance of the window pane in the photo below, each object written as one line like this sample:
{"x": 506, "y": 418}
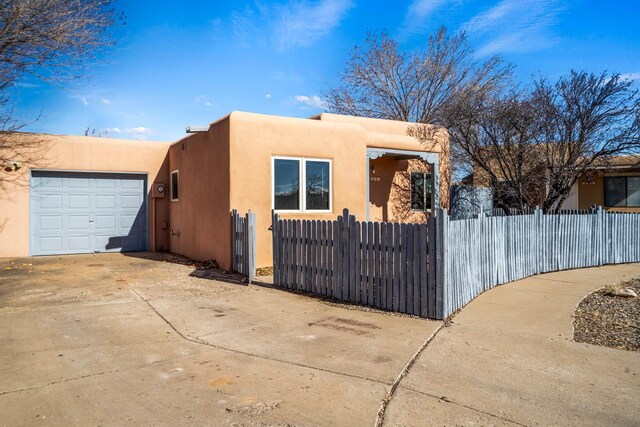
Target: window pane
{"x": 427, "y": 191}
{"x": 317, "y": 185}
{"x": 633, "y": 191}
{"x": 417, "y": 191}
{"x": 174, "y": 185}
{"x": 286, "y": 184}
{"x": 615, "y": 191}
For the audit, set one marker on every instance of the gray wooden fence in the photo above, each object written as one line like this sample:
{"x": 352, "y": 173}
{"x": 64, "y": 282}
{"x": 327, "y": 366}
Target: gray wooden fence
{"x": 482, "y": 253}
{"x": 432, "y": 270}
{"x": 243, "y": 243}
{"x": 383, "y": 265}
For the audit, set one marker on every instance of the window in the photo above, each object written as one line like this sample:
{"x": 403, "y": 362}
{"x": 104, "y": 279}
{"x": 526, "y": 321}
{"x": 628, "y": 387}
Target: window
{"x": 622, "y": 191}
{"x": 174, "y": 186}
{"x": 313, "y": 176}
{"x": 420, "y": 191}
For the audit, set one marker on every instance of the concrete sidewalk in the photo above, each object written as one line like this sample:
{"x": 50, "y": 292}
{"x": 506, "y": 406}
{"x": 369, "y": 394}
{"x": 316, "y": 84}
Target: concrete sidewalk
{"x": 508, "y": 359}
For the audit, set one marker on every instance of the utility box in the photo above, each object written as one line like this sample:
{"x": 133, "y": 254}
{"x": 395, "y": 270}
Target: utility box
{"x": 159, "y": 190}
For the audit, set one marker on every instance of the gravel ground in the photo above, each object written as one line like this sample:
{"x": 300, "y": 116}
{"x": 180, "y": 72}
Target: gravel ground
{"x": 608, "y": 320}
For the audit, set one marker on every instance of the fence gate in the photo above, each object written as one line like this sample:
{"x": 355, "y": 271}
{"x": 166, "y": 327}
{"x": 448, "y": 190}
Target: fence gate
{"x": 243, "y": 243}
{"x": 383, "y": 265}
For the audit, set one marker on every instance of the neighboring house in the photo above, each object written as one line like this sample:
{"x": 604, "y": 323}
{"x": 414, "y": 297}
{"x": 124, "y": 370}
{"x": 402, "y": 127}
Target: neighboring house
{"x": 615, "y": 186}
{"x": 100, "y": 194}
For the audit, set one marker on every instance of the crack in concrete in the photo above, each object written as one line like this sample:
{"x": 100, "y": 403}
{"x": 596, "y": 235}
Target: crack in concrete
{"x": 59, "y": 382}
{"x": 245, "y": 353}
{"x": 387, "y": 399}
{"x": 448, "y": 400}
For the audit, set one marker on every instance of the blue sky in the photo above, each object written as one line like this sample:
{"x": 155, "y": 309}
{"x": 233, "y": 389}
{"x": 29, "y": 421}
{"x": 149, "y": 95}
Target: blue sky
{"x": 189, "y": 63}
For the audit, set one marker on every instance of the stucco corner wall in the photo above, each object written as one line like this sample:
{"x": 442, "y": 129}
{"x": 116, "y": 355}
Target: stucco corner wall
{"x": 255, "y": 139}
{"x": 199, "y": 224}
{"x": 73, "y": 153}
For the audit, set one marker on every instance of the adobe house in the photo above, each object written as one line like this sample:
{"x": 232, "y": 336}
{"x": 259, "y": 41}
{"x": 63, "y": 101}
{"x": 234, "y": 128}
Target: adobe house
{"x": 615, "y": 186}
{"x": 100, "y": 194}
{"x": 613, "y": 183}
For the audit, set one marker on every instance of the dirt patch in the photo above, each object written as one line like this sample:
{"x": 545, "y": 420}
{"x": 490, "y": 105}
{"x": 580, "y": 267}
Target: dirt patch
{"x": 264, "y": 271}
{"x": 607, "y": 319}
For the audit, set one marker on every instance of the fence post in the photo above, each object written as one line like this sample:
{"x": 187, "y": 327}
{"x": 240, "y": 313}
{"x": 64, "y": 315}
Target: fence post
{"x": 441, "y": 263}
{"x": 538, "y": 236}
{"x": 599, "y": 241}
{"x": 433, "y": 267}
{"x": 251, "y": 238}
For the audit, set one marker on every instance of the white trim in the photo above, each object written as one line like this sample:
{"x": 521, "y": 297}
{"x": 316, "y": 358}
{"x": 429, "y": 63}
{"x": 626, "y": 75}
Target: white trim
{"x": 177, "y": 172}
{"x": 302, "y": 182}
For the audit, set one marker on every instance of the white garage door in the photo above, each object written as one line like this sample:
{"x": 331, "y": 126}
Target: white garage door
{"x": 78, "y": 212}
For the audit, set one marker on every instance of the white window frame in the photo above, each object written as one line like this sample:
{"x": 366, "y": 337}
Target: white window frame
{"x": 177, "y": 172}
{"x": 302, "y": 173}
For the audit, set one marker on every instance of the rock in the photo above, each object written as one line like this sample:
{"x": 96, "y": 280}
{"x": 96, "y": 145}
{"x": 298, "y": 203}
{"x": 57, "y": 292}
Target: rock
{"x": 629, "y": 293}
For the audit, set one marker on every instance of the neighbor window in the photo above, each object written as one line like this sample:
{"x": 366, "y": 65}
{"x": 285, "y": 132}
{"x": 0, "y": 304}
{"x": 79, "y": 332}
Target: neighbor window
{"x": 313, "y": 176}
{"x": 420, "y": 191}
{"x": 622, "y": 191}
{"x": 174, "y": 186}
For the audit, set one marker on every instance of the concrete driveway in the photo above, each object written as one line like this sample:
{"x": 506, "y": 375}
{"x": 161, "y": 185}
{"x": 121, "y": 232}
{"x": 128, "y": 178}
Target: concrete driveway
{"x": 112, "y": 339}
{"x": 131, "y": 340}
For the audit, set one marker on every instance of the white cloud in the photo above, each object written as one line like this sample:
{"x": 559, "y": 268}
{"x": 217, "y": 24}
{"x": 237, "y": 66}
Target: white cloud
{"x": 268, "y": 96}
{"x": 203, "y": 100}
{"x": 311, "y": 101}
{"x": 294, "y": 24}
{"x": 630, "y": 76}
{"x": 84, "y": 100}
{"x": 105, "y": 101}
{"x": 417, "y": 17}
{"x": 140, "y": 130}
{"x": 515, "y": 26}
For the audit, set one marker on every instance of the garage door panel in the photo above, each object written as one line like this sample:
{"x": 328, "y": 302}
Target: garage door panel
{"x": 51, "y": 244}
{"x": 131, "y": 201}
{"x": 79, "y": 222}
{"x": 87, "y": 212}
{"x": 51, "y": 201}
{"x": 131, "y": 184}
{"x": 79, "y": 201}
{"x": 79, "y": 243}
{"x": 78, "y": 183}
{"x": 105, "y": 183}
{"x": 50, "y": 182}
{"x": 105, "y": 222}
{"x": 51, "y": 223}
{"x": 106, "y": 201}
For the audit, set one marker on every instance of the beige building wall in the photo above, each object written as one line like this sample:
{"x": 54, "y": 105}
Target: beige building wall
{"x": 344, "y": 140}
{"x": 591, "y": 192}
{"x": 230, "y": 167}
{"x": 255, "y": 139}
{"x": 199, "y": 223}
{"x": 84, "y": 154}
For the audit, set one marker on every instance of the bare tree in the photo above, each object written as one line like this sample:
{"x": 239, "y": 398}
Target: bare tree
{"x": 52, "y": 40}
{"x": 383, "y": 82}
{"x": 531, "y": 147}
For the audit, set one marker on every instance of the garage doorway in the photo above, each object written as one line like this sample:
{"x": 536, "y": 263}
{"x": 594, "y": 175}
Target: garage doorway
{"x": 84, "y": 212}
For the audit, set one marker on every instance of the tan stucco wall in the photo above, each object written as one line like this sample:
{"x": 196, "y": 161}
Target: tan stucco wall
{"x": 76, "y": 153}
{"x": 200, "y": 219}
{"x": 593, "y": 194}
{"x": 256, "y": 138}
{"x": 390, "y": 190}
